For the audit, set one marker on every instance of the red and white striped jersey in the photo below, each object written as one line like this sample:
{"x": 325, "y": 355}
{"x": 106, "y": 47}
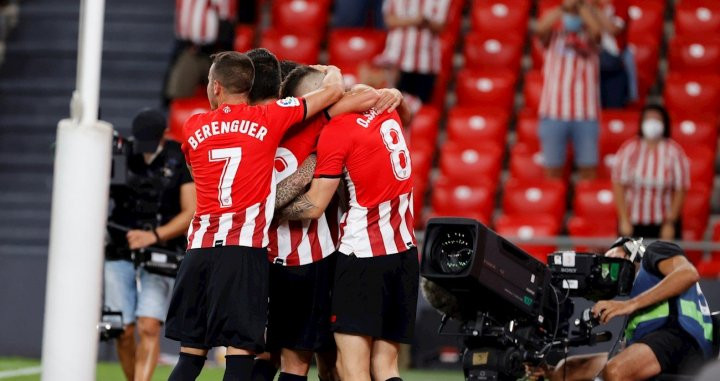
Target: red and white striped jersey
{"x": 571, "y": 75}
{"x": 650, "y": 175}
{"x": 415, "y": 49}
{"x": 295, "y": 243}
{"x": 231, "y": 152}
{"x": 369, "y": 150}
{"x": 198, "y": 20}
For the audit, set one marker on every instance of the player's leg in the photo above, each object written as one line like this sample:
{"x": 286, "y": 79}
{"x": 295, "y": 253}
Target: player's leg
{"x": 294, "y": 362}
{"x": 153, "y": 300}
{"x": 326, "y": 365}
{"x": 384, "y": 360}
{"x": 585, "y": 144}
{"x": 121, "y": 295}
{"x": 353, "y": 356}
{"x": 553, "y": 141}
{"x": 579, "y": 368}
{"x": 636, "y": 362}
{"x": 266, "y": 366}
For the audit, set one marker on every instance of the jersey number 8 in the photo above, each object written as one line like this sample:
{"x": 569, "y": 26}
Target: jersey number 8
{"x": 399, "y": 154}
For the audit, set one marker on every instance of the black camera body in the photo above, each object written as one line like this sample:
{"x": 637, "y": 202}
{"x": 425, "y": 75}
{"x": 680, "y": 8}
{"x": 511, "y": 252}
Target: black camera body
{"x": 591, "y": 276}
{"x": 111, "y": 325}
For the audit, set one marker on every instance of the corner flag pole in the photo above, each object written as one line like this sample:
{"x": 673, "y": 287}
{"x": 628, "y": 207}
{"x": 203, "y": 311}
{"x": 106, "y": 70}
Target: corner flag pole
{"x": 79, "y": 214}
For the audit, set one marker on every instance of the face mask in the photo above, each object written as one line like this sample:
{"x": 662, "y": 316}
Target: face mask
{"x": 652, "y": 128}
{"x": 571, "y": 22}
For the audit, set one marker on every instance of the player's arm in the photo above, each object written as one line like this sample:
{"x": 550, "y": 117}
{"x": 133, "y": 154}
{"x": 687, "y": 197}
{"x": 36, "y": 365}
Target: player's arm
{"x": 331, "y": 90}
{"x": 177, "y": 226}
{"x": 359, "y": 99}
{"x": 391, "y": 100}
{"x": 545, "y": 25}
{"x": 293, "y": 185}
{"x": 312, "y": 204}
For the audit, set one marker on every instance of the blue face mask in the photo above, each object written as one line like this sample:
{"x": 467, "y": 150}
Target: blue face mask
{"x": 571, "y": 22}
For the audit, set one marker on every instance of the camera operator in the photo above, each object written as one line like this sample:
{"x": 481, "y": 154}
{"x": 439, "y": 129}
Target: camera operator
{"x": 669, "y": 328}
{"x": 156, "y": 204}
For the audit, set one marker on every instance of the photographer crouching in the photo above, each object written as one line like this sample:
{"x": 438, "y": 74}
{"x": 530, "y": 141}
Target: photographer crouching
{"x": 669, "y": 328}
{"x": 153, "y": 201}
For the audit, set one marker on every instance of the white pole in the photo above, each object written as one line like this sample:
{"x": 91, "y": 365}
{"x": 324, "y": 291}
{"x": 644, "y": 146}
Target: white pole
{"x": 79, "y": 214}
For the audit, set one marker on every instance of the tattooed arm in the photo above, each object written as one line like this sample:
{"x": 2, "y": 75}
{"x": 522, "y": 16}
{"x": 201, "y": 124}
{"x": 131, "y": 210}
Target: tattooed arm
{"x": 295, "y": 184}
{"x": 312, "y": 204}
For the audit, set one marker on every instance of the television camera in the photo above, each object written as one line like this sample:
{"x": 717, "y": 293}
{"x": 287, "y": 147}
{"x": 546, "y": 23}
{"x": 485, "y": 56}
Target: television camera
{"x": 512, "y": 307}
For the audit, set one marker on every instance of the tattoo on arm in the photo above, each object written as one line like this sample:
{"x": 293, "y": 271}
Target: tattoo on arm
{"x": 298, "y": 209}
{"x": 295, "y": 184}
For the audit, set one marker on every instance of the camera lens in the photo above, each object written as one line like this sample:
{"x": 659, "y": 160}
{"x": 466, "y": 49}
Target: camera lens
{"x": 453, "y": 252}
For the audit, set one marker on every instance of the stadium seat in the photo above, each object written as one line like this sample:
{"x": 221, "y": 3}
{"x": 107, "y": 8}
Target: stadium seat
{"x": 617, "y": 127}
{"x": 696, "y": 209}
{"x": 478, "y": 164}
{"x": 530, "y": 198}
{"x": 589, "y": 227}
{"x": 709, "y": 268}
{"x": 180, "y": 110}
{"x": 537, "y": 52}
{"x": 493, "y": 50}
{"x": 520, "y": 228}
{"x": 695, "y": 55}
{"x": 312, "y": 15}
{"x": 468, "y": 124}
{"x": 526, "y": 130}
{"x": 421, "y": 164}
{"x": 492, "y": 88}
{"x": 606, "y": 164}
{"x": 501, "y": 16}
{"x": 647, "y": 55}
{"x": 646, "y": 18}
{"x": 702, "y": 166}
{"x": 532, "y": 89}
{"x": 453, "y": 199}
{"x": 691, "y": 132}
{"x": 424, "y": 127}
{"x": 302, "y": 48}
{"x": 594, "y": 199}
{"x": 526, "y": 162}
{"x": 244, "y": 38}
{"x": 697, "y": 18}
{"x": 349, "y": 47}
{"x": 692, "y": 94}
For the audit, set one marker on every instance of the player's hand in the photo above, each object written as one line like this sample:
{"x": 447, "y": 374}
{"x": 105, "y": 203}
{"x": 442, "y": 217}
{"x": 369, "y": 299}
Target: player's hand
{"x": 667, "y": 231}
{"x": 605, "y": 310}
{"x": 389, "y": 100}
{"x": 626, "y": 228}
{"x": 140, "y": 239}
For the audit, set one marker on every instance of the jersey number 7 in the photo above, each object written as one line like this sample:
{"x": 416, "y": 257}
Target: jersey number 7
{"x": 231, "y": 157}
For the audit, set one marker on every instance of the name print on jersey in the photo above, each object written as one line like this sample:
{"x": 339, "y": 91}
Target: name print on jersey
{"x": 218, "y": 128}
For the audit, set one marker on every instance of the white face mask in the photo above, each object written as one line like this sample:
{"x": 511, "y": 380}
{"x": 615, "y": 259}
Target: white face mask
{"x": 652, "y": 129}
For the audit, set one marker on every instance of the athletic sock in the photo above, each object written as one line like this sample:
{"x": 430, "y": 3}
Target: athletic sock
{"x": 263, "y": 370}
{"x": 394, "y": 379}
{"x": 238, "y": 367}
{"x": 187, "y": 368}
{"x": 291, "y": 377}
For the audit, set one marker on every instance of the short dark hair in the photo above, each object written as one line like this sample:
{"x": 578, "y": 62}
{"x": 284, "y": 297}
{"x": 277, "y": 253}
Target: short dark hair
{"x": 267, "y": 75}
{"x": 234, "y": 71}
{"x": 294, "y": 79}
{"x": 286, "y": 66}
{"x": 665, "y": 118}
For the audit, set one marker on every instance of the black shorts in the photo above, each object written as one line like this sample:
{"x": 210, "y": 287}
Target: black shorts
{"x": 675, "y": 350}
{"x": 220, "y": 299}
{"x": 376, "y": 296}
{"x": 299, "y": 312}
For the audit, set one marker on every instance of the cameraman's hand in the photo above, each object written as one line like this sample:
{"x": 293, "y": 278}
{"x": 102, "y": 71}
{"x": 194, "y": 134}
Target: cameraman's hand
{"x": 625, "y": 227}
{"x": 139, "y": 239}
{"x": 605, "y": 310}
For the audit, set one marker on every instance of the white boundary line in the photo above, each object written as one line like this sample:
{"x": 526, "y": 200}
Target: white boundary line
{"x": 20, "y": 372}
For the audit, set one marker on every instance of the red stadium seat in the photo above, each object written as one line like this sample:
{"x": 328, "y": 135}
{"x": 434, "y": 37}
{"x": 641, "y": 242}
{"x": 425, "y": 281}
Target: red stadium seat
{"x": 493, "y": 88}
{"x": 526, "y": 130}
{"x": 493, "y": 50}
{"x": 421, "y": 163}
{"x": 521, "y": 228}
{"x": 468, "y": 124}
{"x": 695, "y": 55}
{"x": 647, "y": 55}
{"x": 312, "y": 15}
{"x": 594, "y": 199}
{"x": 302, "y": 48}
{"x": 617, "y": 127}
{"x": 589, "y": 227}
{"x": 537, "y": 52}
{"x": 691, "y": 132}
{"x": 180, "y": 110}
{"x": 687, "y": 94}
{"x": 529, "y": 198}
{"x": 646, "y": 18}
{"x": 454, "y": 199}
{"x": 453, "y": 22}
{"x": 709, "y": 268}
{"x": 526, "y": 163}
{"x": 502, "y": 16}
{"x": 424, "y": 128}
{"x": 532, "y": 90}
{"x": 696, "y": 209}
{"x": 349, "y": 47}
{"x": 478, "y": 164}
{"x": 244, "y": 38}
{"x": 697, "y": 18}
{"x": 702, "y": 166}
